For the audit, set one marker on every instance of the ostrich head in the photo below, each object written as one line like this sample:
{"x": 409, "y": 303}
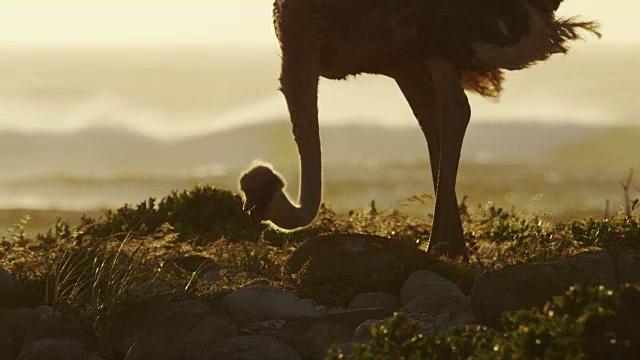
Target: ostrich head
{"x": 260, "y": 185}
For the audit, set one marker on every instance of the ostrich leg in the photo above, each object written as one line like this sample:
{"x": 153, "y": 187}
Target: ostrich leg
{"x": 415, "y": 83}
{"x": 452, "y": 117}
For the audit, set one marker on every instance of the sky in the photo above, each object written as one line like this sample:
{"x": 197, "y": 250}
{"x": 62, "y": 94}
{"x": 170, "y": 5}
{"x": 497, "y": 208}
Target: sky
{"x": 248, "y": 25}
{"x": 207, "y": 22}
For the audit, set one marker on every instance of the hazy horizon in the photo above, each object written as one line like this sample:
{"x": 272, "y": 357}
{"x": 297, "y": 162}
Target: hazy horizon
{"x": 197, "y": 67}
{"x": 173, "y": 93}
{"x": 175, "y": 70}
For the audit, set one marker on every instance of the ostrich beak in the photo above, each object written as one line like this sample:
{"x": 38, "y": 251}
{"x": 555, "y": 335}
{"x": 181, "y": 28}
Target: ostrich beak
{"x": 248, "y": 206}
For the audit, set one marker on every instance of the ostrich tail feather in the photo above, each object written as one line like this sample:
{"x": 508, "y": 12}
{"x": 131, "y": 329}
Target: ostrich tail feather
{"x": 545, "y": 38}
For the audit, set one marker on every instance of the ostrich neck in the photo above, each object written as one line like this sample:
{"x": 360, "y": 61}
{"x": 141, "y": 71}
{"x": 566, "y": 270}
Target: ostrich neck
{"x": 301, "y": 97}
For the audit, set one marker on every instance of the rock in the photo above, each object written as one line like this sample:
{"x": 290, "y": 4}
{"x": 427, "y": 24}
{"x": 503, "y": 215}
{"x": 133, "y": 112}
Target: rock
{"x": 337, "y": 267}
{"x": 211, "y": 276}
{"x": 188, "y": 326}
{"x": 426, "y": 283}
{"x": 14, "y": 324}
{"x": 264, "y": 302}
{"x": 251, "y": 348}
{"x": 374, "y": 300}
{"x": 49, "y": 336}
{"x": 311, "y": 302}
{"x": 229, "y": 273}
{"x": 6, "y": 287}
{"x": 348, "y": 348}
{"x": 336, "y": 310}
{"x": 466, "y": 327}
{"x": 530, "y": 285}
{"x": 193, "y": 263}
{"x": 430, "y": 324}
{"x": 152, "y": 347}
{"x": 627, "y": 267}
{"x": 150, "y": 289}
{"x": 236, "y": 348}
{"x": 52, "y": 349}
{"x": 312, "y": 338}
{"x": 6, "y": 279}
{"x": 92, "y": 355}
{"x": 269, "y": 327}
{"x": 438, "y": 303}
{"x": 54, "y": 329}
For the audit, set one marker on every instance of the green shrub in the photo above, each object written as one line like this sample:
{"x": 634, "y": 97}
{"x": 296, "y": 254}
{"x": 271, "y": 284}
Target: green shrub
{"x": 584, "y": 323}
{"x": 203, "y": 214}
{"x": 616, "y": 232}
{"x": 498, "y": 225}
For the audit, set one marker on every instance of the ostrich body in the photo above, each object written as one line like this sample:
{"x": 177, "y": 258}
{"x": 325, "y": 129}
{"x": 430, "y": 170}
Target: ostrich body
{"x": 433, "y": 49}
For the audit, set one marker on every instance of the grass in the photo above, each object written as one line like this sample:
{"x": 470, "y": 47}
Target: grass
{"x": 95, "y": 268}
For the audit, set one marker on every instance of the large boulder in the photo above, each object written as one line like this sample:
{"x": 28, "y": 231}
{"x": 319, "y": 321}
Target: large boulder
{"x": 14, "y": 325}
{"x": 627, "y": 267}
{"x": 430, "y": 324}
{"x": 254, "y": 347}
{"x": 235, "y": 348}
{"x": 47, "y": 324}
{"x": 530, "y": 285}
{"x": 427, "y": 292}
{"x": 187, "y": 326}
{"x": 150, "y": 290}
{"x": 6, "y": 287}
{"x": 52, "y": 349}
{"x": 264, "y": 302}
{"x": 374, "y": 300}
{"x": 6, "y": 279}
{"x": 335, "y": 268}
{"x": 193, "y": 263}
{"x": 432, "y": 288}
{"x": 312, "y": 338}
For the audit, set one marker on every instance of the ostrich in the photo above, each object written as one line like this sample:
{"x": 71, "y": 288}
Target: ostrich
{"x": 435, "y": 50}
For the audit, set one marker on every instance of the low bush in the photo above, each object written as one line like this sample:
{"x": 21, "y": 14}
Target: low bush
{"x": 585, "y": 323}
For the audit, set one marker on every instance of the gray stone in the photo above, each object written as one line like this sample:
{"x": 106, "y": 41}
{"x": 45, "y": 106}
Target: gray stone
{"x": 48, "y": 331}
{"x": 149, "y": 290}
{"x": 336, "y": 310}
{"x": 235, "y": 348}
{"x": 427, "y": 283}
{"x": 338, "y": 267}
{"x": 437, "y": 303}
{"x": 264, "y": 302}
{"x": 155, "y": 348}
{"x": 268, "y": 327}
{"x": 312, "y": 338}
{"x": 6, "y": 279}
{"x": 187, "y": 326}
{"x": 14, "y": 324}
{"x": 6, "y": 288}
{"x": 374, "y": 300}
{"x": 627, "y": 267}
{"x": 531, "y": 285}
{"x": 311, "y": 302}
{"x": 251, "y": 348}
{"x": 93, "y": 355}
{"x": 430, "y": 324}
{"x": 52, "y": 349}
{"x": 194, "y": 263}
{"x": 211, "y": 276}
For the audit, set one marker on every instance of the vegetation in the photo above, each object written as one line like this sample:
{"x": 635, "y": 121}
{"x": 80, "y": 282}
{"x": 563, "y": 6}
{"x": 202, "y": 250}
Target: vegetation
{"x": 105, "y": 263}
{"x": 585, "y": 323}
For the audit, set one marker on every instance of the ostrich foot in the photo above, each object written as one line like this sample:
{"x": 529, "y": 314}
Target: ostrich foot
{"x": 447, "y": 236}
